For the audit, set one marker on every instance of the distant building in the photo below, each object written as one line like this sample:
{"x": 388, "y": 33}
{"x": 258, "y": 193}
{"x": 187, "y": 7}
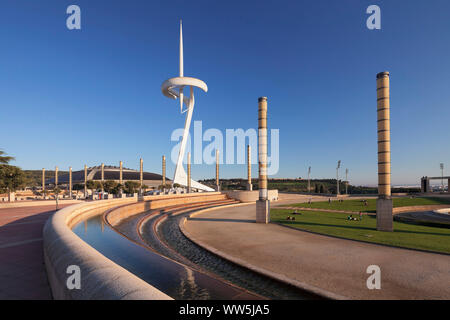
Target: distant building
{"x": 152, "y": 180}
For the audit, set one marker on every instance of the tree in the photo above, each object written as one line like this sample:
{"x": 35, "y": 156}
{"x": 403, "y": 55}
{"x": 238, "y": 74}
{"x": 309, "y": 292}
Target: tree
{"x": 90, "y": 184}
{"x": 78, "y": 186}
{"x": 316, "y": 188}
{"x": 5, "y": 159}
{"x": 322, "y": 189}
{"x": 11, "y": 178}
{"x": 131, "y": 186}
{"x": 110, "y": 185}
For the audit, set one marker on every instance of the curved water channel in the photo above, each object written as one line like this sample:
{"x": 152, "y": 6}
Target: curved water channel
{"x": 177, "y": 279}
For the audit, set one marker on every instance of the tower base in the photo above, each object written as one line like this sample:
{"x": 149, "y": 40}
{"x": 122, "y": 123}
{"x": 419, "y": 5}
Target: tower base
{"x": 384, "y": 215}
{"x": 249, "y": 187}
{"x": 262, "y": 211}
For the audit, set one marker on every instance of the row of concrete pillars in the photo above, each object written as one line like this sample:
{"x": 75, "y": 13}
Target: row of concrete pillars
{"x": 141, "y": 172}
{"x": 384, "y": 201}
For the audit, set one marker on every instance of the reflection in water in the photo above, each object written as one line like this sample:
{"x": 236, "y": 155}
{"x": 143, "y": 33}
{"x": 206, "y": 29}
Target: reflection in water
{"x": 172, "y": 278}
{"x": 188, "y": 285}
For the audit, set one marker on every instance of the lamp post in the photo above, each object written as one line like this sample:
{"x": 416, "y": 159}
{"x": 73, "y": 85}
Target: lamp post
{"x": 337, "y": 177}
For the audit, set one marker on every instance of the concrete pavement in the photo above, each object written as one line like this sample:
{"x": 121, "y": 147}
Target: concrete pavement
{"x": 324, "y": 264}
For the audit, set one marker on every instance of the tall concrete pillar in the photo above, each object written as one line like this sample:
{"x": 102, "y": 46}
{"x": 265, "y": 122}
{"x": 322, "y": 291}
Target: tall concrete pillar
{"x": 346, "y": 181}
{"x": 85, "y": 181}
{"x": 141, "y": 172}
{"x": 164, "y": 170}
{"x": 56, "y": 176}
{"x": 249, "y": 168}
{"x": 121, "y": 172}
{"x": 103, "y": 177}
{"x": 189, "y": 172}
{"x": 70, "y": 182}
{"x": 384, "y": 201}
{"x": 309, "y": 180}
{"x": 43, "y": 181}
{"x": 263, "y": 204}
{"x": 217, "y": 171}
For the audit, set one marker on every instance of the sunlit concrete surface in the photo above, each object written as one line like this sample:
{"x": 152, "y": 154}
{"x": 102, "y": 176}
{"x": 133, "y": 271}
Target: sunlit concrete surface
{"x": 326, "y": 264}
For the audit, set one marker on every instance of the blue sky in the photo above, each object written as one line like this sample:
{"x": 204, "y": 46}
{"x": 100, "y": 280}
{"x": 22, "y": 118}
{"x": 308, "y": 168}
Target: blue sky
{"x": 70, "y": 97}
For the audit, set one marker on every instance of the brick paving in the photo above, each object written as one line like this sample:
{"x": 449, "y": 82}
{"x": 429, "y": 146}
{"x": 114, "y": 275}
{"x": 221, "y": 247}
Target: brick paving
{"x": 22, "y": 270}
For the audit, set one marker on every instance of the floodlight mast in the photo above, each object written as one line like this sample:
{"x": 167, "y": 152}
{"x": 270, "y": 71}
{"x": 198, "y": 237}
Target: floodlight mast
{"x": 173, "y": 88}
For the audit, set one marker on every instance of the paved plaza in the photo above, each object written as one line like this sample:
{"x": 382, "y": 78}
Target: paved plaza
{"x": 335, "y": 267}
{"x": 22, "y": 269}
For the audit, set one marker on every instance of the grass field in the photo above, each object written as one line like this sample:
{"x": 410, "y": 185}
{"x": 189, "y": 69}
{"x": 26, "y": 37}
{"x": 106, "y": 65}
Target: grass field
{"x": 358, "y": 205}
{"x": 336, "y": 224}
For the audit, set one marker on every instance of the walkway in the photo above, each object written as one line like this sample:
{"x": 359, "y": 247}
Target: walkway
{"x": 324, "y": 264}
{"x": 22, "y": 270}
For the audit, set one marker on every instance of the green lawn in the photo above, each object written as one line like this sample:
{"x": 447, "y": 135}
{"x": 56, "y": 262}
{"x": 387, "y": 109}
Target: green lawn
{"x": 358, "y": 205}
{"x": 336, "y": 224}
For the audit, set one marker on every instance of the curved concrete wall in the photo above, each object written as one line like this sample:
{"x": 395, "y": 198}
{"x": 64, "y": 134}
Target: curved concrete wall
{"x": 101, "y": 278}
{"x": 430, "y": 207}
{"x": 117, "y": 214}
{"x": 250, "y": 196}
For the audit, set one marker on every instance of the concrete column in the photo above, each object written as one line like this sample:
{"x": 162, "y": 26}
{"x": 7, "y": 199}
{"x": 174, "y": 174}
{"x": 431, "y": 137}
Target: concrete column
{"x": 384, "y": 201}
{"x": 103, "y": 177}
{"x": 249, "y": 168}
{"x": 141, "y": 172}
{"x": 121, "y": 172}
{"x": 309, "y": 180}
{"x": 43, "y": 182}
{"x": 217, "y": 170}
{"x": 189, "y": 172}
{"x": 263, "y": 204}
{"x": 70, "y": 182}
{"x": 85, "y": 181}
{"x": 164, "y": 170}
{"x": 56, "y": 176}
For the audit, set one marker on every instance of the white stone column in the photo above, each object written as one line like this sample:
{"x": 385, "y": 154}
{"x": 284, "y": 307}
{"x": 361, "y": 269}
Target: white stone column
{"x": 249, "y": 168}
{"x": 384, "y": 201}
{"x": 70, "y": 182}
{"x": 189, "y": 172}
{"x": 263, "y": 204}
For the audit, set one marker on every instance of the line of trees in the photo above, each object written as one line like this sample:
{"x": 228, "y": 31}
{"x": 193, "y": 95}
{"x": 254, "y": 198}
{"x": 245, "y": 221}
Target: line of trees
{"x": 111, "y": 186}
{"x": 12, "y": 178}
